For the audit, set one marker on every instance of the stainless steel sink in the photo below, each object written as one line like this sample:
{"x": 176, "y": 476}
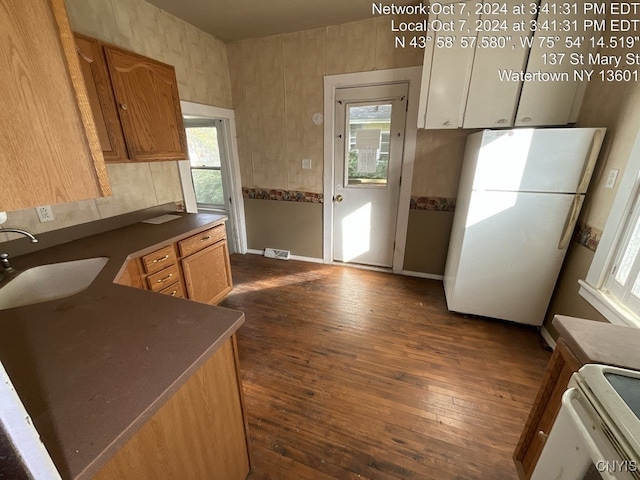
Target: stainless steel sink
{"x": 49, "y": 282}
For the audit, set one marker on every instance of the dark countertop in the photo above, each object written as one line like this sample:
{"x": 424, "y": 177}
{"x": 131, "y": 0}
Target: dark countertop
{"x": 599, "y": 342}
{"x": 92, "y": 368}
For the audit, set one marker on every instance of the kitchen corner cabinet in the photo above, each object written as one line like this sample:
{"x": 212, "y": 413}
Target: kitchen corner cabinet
{"x": 562, "y": 365}
{"x": 50, "y": 151}
{"x": 196, "y": 268}
{"x": 201, "y": 431}
{"x": 135, "y": 102}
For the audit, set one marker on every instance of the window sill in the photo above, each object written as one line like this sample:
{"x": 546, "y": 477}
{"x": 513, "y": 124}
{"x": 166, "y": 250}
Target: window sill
{"x": 613, "y": 311}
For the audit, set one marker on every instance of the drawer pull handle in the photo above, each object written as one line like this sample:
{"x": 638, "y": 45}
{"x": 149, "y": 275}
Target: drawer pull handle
{"x": 161, "y": 259}
{"x": 162, "y": 280}
{"x": 123, "y": 106}
{"x": 204, "y": 239}
{"x": 173, "y": 294}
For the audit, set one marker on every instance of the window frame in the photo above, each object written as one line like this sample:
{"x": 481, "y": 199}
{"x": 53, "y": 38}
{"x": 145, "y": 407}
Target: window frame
{"x": 236, "y": 223}
{"x": 217, "y": 125}
{"x": 594, "y": 288}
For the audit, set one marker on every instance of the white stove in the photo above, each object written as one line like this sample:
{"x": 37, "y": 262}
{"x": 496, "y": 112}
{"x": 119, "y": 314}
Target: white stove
{"x": 597, "y": 431}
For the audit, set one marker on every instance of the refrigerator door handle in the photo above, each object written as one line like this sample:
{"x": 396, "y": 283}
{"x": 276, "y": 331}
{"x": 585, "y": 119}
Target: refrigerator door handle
{"x": 570, "y": 223}
{"x": 590, "y": 163}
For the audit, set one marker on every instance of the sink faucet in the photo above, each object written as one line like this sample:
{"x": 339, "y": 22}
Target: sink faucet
{"x": 4, "y": 257}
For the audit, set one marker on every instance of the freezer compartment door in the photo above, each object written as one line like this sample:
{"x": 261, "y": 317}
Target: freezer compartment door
{"x": 557, "y": 160}
{"x": 510, "y": 254}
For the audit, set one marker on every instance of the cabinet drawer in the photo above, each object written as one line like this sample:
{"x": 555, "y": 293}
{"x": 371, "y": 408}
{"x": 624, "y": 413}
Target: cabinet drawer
{"x": 159, "y": 259}
{"x": 158, "y": 281}
{"x": 202, "y": 240}
{"x": 174, "y": 290}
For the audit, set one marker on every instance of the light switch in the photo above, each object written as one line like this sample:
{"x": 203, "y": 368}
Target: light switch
{"x": 611, "y": 179}
{"x": 306, "y": 164}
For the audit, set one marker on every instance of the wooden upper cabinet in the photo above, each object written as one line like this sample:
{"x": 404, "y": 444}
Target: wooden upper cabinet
{"x": 50, "y": 151}
{"x": 101, "y": 99}
{"x": 146, "y": 94}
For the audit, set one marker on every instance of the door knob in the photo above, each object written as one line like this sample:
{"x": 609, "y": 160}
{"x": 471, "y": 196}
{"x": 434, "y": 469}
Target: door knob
{"x": 338, "y": 198}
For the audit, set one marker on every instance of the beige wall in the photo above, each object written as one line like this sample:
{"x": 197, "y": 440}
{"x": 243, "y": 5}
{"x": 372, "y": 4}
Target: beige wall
{"x": 428, "y": 236}
{"x": 201, "y": 69}
{"x": 438, "y": 162}
{"x": 277, "y": 85}
{"x": 268, "y": 219}
{"x": 615, "y": 105}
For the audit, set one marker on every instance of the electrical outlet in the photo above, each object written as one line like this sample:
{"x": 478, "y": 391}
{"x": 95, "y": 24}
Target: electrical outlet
{"x": 306, "y": 164}
{"x": 45, "y": 214}
{"x": 611, "y": 179}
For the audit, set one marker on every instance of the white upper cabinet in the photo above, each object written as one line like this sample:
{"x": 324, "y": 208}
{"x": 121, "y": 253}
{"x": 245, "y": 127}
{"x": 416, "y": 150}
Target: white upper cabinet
{"x": 447, "y": 66}
{"x": 488, "y": 74}
{"x": 492, "y": 102}
{"x": 555, "y": 101}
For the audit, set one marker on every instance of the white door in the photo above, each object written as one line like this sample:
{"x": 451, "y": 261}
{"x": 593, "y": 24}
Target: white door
{"x": 369, "y": 131}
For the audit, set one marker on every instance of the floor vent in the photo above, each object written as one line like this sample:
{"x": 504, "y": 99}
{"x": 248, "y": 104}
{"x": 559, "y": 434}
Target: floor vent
{"x": 275, "y": 253}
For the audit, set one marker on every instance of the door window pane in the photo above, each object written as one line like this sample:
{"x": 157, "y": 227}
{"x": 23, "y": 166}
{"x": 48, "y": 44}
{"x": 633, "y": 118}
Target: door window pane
{"x": 368, "y": 147}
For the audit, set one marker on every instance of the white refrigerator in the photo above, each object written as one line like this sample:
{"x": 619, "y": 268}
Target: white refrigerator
{"x": 519, "y": 197}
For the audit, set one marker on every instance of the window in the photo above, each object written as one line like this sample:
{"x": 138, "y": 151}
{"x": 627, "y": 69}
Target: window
{"x": 623, "y": 282}
{"x": 204, "y": 157}
{"x": 612, "y": 285}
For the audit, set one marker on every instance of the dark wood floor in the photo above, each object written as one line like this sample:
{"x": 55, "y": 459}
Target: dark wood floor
{"x": 354, "y": 374}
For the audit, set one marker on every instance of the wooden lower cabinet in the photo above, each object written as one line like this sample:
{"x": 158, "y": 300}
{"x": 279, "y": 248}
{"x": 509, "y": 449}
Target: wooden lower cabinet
{"x": 201, "y": 270}
{"x": 562, "y": 365}
{"x": 207, "y": 274}
{"x": 200, "y": 432}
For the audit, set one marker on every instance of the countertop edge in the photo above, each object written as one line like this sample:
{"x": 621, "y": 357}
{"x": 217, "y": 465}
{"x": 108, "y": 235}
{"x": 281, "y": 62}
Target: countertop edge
{"x": 599, "y": 342}
{"x": 104, "y": 287}
{"x": 101, "y": 460}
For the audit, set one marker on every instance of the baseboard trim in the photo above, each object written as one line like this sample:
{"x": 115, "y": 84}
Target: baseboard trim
{"x": 408, "y": 273}
{"x": 547, "y": 337}
{"x": 291, "y": 257}
{"x": 429, "y": 276}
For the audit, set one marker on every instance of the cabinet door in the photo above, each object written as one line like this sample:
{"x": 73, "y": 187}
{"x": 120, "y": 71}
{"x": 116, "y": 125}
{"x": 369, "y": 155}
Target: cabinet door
{"x": 492, "y": 102}
{"x": 146, "y": 94}
{"x": 562, "y": 365}
{"x": 50, "y": 151}
{"x": 207, "y": 274}
{"x": 555, "y": 102}
{"x": 450, "y": 68}
{"x": 103, "y": 104}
